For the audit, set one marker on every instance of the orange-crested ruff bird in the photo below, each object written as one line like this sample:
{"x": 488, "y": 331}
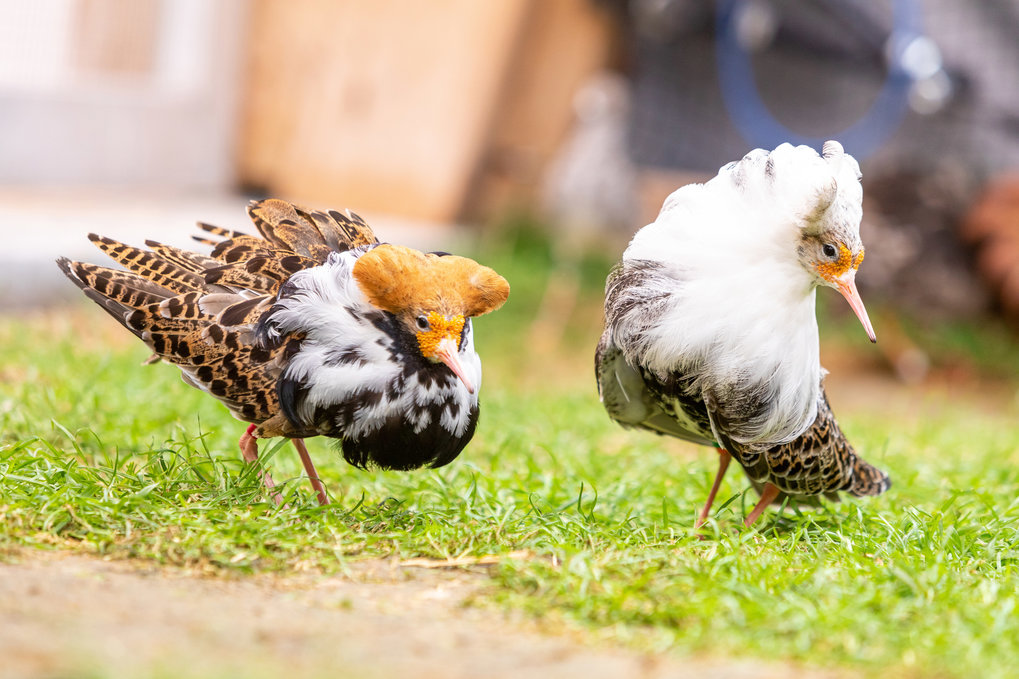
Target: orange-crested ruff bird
{"x": 314, "y": 329}
{"x": 710, "y": 332}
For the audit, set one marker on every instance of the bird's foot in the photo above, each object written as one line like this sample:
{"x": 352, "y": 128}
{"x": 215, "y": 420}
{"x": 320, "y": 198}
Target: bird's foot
{"x": 249, "y": 451}
{"x": 768, "y": 495}
{"x": 723, "y": 464}
{"x": 309, "y": 467}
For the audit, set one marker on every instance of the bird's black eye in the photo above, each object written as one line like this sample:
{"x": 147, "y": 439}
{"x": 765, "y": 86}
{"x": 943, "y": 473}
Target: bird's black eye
{"x": 829, "y": 250}
{"x": 423, "y": 323}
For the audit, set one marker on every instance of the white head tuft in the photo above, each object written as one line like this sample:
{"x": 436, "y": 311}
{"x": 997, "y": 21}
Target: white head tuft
{"x": 832, "y": 149}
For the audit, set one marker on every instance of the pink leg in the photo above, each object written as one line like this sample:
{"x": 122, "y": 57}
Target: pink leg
{"x": 309, "y": 468}
{"x": 249, "y": 451}
{"x": 723, "y": 464}
{"x": 769, "y": 493}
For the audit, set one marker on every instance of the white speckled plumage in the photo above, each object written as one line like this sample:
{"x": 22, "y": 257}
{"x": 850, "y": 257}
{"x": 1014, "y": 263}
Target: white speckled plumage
{"x": 328, "y": 307}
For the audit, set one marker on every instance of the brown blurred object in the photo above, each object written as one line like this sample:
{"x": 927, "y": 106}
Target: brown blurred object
{"x": 565, "y": 42}
{"x": 907, "y": 359}
{"x": 915, "y": 259}
{"x": 992, "y": 228}
{"x": 404, "y": 107}
{"x": 657, "y": 184}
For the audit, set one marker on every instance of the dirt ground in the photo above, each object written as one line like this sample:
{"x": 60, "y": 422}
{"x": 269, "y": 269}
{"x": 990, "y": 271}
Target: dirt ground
{"x": 72, "y": 616}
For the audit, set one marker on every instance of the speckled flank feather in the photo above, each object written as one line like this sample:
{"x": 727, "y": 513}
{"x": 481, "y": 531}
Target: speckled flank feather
{"x": 818, "y": 462}
{"x": 278, "y": 329}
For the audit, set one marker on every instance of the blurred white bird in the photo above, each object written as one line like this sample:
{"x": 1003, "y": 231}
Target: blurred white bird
{"x": 710, "y": 331}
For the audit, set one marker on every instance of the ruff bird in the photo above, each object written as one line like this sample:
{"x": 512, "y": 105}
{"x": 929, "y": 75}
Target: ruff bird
{"x": 313, "y": 329}
{"x": 710, "y": 330}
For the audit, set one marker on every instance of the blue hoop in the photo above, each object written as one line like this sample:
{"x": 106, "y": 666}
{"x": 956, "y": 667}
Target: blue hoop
{"x": 759, "y": 127}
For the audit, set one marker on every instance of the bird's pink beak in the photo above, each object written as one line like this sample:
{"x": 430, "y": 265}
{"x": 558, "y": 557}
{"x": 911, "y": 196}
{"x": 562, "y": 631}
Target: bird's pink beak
{"x": 448, "y": 354}
{"x": 846, "y": 284}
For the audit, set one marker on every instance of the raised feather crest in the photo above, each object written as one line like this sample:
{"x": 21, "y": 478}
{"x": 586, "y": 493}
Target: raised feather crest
{"x": 397, "y": 278}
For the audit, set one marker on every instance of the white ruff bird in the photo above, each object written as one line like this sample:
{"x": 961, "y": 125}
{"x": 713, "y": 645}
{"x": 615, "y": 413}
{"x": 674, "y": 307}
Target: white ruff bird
{"x": 710, "y": 332}
{"x": 313, "y": 329}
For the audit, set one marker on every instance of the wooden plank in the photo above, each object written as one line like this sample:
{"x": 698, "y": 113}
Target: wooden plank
{"x": 115, "y": 36}
{"x": 564, "y": 44}
{"x": 381, "y": 106}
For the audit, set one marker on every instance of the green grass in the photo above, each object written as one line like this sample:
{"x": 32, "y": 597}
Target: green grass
{"x": 103, "y": 455}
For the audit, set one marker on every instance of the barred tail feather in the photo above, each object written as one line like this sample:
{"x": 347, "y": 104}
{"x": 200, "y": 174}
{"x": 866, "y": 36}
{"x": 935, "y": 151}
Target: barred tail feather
{"x": 150, "y": 265}
{"x": 868, "y": 479}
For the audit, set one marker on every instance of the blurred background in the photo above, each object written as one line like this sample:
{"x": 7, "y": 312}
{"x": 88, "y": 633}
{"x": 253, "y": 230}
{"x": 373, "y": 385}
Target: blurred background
{"x": 547, "y": 130}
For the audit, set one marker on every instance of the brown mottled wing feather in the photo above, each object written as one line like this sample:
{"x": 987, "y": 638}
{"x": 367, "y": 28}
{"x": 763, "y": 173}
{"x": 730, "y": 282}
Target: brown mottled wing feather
{"x": 250, "y": 263}
{"x": 123, "y": 287}
{"x": 288, "y": 229}
{"x": 219, "y": 354}
{"x": 280, "y": 224}
{"x": 150, "y": 265}
{"x": 217, "y": 231}
{"x": 238, "y": 276}
{"x": 341, "y": 231}
{"x": 262, "y": 272}
{"x": 820, "y": 461}
{"x": 210, "y": 338}
{"x": 309, "y": 233}
{"x": 114, "y": 291}
{"x": 191, "y": 261}
{"x": 292, "y": 239}
{"x": 199, "y": 312}
{"x": 238, "y": 247}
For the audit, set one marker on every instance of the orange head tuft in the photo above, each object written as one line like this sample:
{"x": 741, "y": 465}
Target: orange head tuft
{"x": 432, "y": 295}
{"x": 402, "y": 280}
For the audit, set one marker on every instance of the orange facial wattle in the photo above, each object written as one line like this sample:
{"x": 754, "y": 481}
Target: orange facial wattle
{"x": 832, "y": 270}
{"x": 440, "y": 328}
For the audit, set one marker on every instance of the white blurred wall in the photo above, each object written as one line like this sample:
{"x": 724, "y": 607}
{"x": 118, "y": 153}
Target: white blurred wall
{"x": 130, "y": 93}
